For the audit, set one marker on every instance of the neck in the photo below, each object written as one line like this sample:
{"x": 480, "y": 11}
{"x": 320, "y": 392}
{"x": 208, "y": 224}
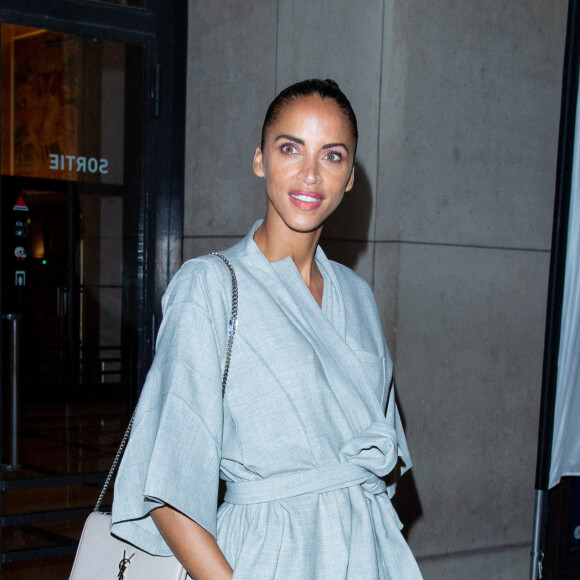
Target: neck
{"x": 277, "y": 243}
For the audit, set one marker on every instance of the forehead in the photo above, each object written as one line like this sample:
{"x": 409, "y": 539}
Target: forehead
{"x": 313, "y": 117}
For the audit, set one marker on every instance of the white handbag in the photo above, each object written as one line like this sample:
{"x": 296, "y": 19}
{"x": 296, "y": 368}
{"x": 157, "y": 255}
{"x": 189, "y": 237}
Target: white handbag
{"x": 103, "y": 556}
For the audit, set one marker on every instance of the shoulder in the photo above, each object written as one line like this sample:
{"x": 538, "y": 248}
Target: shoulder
{"x": 201, "y": 280}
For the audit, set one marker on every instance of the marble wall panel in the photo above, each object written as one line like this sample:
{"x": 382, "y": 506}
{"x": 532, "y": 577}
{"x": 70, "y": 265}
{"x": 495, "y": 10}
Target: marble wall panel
{"x": 231, "y": 81}
{"x": 386, "y": 290}
{"x": 469, "y": 350}
{"x": 476, "y": 122}
{"x": 392, "y": 165}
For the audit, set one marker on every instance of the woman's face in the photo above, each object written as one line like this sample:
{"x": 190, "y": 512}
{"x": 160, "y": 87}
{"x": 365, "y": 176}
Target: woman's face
{"x": 307, "y": 161}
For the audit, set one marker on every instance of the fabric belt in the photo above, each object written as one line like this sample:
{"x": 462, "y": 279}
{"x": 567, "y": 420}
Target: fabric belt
{"x": 316, "y": 480}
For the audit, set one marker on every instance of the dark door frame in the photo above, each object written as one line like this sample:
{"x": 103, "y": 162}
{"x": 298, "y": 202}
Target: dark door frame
{"x": 161, "y": 28}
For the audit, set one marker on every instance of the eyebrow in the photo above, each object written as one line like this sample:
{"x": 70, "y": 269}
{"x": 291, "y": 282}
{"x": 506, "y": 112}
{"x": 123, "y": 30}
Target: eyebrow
{"x": 301, "y": 141}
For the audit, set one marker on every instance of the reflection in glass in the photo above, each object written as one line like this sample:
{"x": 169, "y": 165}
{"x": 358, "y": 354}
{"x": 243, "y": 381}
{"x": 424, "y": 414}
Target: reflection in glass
{"x": 56, "y": 122}
{"x": 70, "y": 185}
{"x": 63, "y": 158}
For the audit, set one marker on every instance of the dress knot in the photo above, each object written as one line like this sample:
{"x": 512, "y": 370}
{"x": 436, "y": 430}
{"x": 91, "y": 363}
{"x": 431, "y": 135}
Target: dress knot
{"x": 376, "y": 450}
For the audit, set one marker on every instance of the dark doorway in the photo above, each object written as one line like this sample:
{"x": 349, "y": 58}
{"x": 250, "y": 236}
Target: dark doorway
{"x": 83, "y": 115}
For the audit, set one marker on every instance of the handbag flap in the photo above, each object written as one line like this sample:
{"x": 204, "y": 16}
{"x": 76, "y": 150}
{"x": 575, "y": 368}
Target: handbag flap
{"x": 102, "y": 556}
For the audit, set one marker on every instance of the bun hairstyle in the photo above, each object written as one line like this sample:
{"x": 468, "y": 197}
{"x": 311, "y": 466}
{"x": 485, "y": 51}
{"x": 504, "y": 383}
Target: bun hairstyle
{"x": 327, "y": 89}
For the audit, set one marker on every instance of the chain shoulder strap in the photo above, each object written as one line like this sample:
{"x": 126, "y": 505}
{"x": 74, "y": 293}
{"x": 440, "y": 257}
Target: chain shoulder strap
{"x": 233, "y": 323}
{"x": 114, "y": 466}
{"x": 232, "y": 326}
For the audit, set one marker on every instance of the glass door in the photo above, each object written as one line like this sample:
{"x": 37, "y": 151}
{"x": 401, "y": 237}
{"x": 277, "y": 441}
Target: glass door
{"x": 72, "y": 260}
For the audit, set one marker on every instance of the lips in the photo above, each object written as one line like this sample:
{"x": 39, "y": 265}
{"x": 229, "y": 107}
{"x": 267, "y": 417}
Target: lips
{"x": 306, "y": 200}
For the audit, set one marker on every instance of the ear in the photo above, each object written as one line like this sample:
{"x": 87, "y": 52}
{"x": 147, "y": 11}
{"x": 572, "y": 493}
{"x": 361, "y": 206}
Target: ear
{"x": 258, "y": 163}
{"x": 350, "y": 182}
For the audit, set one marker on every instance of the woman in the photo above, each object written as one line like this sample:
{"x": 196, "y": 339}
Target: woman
{"x": 301, "y": 436}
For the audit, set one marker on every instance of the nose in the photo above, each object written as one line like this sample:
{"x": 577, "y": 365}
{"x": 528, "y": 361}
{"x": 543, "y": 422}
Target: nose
{"x": 309, "y": 172}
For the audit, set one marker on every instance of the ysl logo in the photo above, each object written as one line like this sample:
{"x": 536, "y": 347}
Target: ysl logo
{"x": 123, "y": 565}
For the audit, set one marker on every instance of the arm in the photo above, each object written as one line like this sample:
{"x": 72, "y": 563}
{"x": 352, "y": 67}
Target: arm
{"x": 193, "y": 546}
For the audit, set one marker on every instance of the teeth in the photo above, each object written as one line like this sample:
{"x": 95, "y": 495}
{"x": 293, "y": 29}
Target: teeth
{"x": 306, "y": 198}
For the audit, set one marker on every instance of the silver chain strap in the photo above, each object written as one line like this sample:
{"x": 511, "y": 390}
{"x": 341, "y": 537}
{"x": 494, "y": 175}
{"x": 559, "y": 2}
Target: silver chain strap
{"x": 232, "y": 325}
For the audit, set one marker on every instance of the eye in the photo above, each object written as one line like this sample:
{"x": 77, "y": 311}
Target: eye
{"x": 288, "y": 148}
{"x": 333, "y": 156}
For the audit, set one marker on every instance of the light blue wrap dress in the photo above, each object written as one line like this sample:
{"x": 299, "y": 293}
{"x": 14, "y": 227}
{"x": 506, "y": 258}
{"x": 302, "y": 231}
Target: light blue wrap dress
{"x": 301, "y": 438}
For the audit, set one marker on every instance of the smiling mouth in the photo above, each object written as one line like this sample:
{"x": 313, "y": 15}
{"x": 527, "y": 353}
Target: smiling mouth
{"x": 306, "y": 197}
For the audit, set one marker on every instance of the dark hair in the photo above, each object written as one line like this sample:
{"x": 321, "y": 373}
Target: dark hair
{"x": 327, "y": 89}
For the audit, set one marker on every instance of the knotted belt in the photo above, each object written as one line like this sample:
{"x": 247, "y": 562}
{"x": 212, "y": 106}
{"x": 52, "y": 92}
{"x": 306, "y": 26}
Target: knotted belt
{"x": 366, "y": 457}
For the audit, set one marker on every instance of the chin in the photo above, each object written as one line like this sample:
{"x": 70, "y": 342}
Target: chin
{"x": 305, "y": 228}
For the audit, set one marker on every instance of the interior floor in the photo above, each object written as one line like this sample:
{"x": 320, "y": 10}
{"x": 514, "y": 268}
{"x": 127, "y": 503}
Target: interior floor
{"x": 56, "y": 440}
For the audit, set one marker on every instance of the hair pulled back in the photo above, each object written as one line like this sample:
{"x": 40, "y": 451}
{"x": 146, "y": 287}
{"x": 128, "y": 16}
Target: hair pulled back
{"x": 325, "y": 89}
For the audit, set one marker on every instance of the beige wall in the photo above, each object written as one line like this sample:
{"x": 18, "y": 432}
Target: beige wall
{"x": 450, "y": 222}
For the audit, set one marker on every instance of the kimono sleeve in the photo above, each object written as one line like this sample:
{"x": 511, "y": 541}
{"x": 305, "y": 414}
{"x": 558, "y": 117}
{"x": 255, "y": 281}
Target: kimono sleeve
{"x": 173, "y": 454}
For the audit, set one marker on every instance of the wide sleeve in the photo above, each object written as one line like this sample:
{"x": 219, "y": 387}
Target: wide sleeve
{"x": 173, "y": 454}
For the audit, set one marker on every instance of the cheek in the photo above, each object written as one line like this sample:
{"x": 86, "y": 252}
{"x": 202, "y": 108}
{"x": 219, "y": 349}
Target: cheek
{"x": 278, "y": 171}
{"x": 337, "y": 199}
{"x": 341, "y": 179}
